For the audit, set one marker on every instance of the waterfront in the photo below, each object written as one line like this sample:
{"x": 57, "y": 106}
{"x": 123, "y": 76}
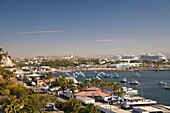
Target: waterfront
{"x": 148, "y": 83}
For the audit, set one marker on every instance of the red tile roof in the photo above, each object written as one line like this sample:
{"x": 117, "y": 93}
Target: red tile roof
{"x": 93, "y": 91}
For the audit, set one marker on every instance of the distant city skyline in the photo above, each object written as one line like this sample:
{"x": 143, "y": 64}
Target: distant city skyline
{"x": 84, "y": 27}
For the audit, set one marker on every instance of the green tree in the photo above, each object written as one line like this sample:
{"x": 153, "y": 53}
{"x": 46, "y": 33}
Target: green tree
{"x": 96, "y": 82}
{"x": 11, "y": 105}
{"x": 89, "y": 109}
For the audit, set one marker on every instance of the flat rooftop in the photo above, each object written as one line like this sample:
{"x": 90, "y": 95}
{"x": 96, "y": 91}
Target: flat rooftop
{"x": 110, "y": 108}
{"x": 84, "y": 98}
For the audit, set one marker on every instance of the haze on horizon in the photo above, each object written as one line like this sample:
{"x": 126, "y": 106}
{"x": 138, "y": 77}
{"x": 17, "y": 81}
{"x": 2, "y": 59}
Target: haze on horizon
{"x": 84, "y": 27}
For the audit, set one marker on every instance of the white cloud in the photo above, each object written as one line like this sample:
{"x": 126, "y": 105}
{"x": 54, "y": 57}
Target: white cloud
{"x": 107, "y": 40}
{"x": 36, "y": 32}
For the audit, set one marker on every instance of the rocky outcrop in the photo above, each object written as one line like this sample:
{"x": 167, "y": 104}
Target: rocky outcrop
{"x": 5, "y": 60}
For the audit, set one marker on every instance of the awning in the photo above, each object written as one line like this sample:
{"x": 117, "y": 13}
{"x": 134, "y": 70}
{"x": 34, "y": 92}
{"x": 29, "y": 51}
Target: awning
{"x": 115, "y": 99}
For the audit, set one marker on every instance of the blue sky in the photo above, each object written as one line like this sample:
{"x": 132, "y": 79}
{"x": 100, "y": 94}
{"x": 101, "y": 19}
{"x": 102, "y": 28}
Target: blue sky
{"x": 84, "y": 27}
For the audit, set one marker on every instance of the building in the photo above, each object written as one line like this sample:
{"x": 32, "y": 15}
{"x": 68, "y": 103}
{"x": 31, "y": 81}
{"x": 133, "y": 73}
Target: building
{"x": 96, "y": 93}
{"x": 68, "y": 57}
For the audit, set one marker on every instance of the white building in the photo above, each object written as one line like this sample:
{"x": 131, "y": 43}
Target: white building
{"x": 68, "y": 57}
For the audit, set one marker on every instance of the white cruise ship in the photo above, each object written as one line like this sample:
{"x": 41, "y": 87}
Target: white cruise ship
{"x": 153, "y": 57}
{"x": 125, "y": 57}
{"x": 129, "y": 57}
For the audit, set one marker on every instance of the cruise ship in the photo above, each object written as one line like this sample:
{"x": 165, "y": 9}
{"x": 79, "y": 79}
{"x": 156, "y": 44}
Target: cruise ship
{"x": 129, "y": 57}
{"x": 125, "y": 57}
{"x": 153, "y": 57}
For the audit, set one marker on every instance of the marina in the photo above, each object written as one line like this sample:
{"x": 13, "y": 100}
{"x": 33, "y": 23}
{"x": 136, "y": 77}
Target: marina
{"x": 148, "y": 87}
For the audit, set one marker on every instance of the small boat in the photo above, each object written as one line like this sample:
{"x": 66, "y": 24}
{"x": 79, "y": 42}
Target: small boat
{"x": 167, "y": 87}
{"x": 82, "y": 74}
{"x": 136, "y": 75}
{"x": 161, "y": 82}
{"x": 111, "y": 75}
{"x": 106, "y": 76}
{"x": 76, "y": 73}
{"x": 116, "y": 75}
{"x": 98, "y": 78}
{"x": 96, "y": 72}
{"x": 102, "y": 73}
{"x": 134, "y": 82}
{"x": 124, "y": 80}
{"x": 67, "y": 74}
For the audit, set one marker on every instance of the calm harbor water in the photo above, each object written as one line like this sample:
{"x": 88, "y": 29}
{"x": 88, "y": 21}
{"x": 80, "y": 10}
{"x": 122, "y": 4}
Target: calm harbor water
{"x": 148, "y": 83}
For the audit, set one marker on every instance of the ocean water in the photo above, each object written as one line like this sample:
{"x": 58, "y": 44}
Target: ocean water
{"x": 148, "y": 83}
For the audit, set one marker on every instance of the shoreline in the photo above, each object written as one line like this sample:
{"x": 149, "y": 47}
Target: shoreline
{"x": 94, "y": 69}
{"x": 114, "y": 69}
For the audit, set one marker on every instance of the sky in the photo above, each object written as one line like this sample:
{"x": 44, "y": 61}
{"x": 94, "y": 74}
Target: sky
{"x": 84, "y": 27}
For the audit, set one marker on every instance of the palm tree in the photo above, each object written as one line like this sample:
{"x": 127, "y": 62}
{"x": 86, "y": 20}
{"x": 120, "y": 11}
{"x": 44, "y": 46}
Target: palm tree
{"x": 49, "y": 76}
{"x": 73, "y": 106}
{"x": 118, "y": 88}
{"x": 11, "y": 105}
{"x": 63, "y": 83}
{"x": 96, "y": 82}
{"x": 86, "y": 83}
{"x": 72, "y": 88}
{"x": 80, "y": 86}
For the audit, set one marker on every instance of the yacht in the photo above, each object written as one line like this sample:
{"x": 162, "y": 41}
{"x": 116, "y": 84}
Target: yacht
{"x": 124, "y": 80}
{"x": 130, "y": 91}
{"x": 161, "y": 82}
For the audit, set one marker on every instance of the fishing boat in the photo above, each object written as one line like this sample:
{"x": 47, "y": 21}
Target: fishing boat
{"x": 134, "y": 82}
{"x": 124, "y": 80}
{"x": 161, "y": 82}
